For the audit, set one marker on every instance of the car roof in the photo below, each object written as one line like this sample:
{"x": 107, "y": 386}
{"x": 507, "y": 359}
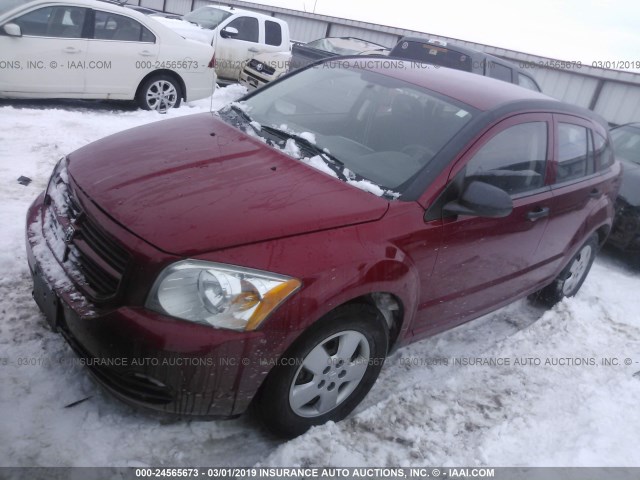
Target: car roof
{"x": 99, "y": 4}
{"x": 240, "y": 11}
{"x": 478, "y": 91}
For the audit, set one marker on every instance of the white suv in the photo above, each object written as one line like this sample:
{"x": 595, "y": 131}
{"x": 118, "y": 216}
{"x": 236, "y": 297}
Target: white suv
{"x": 98, "y": 50}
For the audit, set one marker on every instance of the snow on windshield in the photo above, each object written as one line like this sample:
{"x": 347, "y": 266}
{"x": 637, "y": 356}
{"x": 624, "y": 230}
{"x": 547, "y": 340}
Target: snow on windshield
{"x": 292, "y": 149}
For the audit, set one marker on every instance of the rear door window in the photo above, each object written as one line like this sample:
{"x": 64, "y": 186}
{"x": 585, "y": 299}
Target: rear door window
{"x": 272, "y": 33}
{"x": 110, "y": 26}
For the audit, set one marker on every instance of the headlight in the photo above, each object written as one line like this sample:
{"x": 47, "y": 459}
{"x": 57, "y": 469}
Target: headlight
{"x": 219, "y": 295}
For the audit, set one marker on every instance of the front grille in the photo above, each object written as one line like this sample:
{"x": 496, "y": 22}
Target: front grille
{"x": 90, "y": 256}
{"x": 100, "y": 260}
{"x": 261, "y": 67}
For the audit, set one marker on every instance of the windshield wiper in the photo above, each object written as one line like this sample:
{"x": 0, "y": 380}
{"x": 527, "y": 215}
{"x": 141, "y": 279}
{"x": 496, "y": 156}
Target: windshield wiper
{"x": 284, "y": 135}
{"x": 242, "y": 113}
{"x": 304, "y": 143}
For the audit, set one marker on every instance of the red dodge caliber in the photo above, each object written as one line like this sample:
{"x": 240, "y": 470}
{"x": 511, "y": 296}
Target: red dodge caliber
{"x": 273, "y": 253}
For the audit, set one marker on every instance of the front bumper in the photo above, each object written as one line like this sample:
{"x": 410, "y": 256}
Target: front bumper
{"x": 140, "y": 356}
{"x": 251, "y": 79}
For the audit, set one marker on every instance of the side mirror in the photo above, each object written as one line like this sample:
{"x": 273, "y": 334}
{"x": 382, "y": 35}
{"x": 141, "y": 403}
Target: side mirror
{"x": 481, "y": 200}
{"x": 229, "y": 32}
{"x": 13, "y": 30}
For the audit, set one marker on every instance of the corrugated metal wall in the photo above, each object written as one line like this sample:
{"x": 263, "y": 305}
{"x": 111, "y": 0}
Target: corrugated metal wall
{"x": 571, "y": 88}
{"x": 304, "y": 30}
{"x": 619, "y": 101}
{"x": 178, "y": 6}
{"x": 613, "y": 94}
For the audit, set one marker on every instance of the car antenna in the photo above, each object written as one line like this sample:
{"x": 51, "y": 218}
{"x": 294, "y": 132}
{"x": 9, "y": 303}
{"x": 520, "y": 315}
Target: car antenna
{"x": 214, "y": 91}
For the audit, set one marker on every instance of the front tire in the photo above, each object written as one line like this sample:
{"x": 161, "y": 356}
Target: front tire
{"x": 327, "y": 372}
{"x": 572, "y": 276}
{"x": 159, "y": 92}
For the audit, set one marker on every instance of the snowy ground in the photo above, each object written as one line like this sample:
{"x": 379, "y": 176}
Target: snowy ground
{"x": 417, "y": 414}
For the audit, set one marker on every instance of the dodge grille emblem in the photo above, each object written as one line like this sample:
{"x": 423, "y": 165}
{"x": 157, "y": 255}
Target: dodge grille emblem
{"x": 69, "y": 232}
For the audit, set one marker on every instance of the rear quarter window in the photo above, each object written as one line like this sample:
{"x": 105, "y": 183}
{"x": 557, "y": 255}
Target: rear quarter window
{"x": 603, "y": 152}
{"x": 575, "y": 154}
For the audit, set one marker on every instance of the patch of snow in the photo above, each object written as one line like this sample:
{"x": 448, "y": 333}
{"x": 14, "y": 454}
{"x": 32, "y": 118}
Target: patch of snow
{"x": 291, "y": 148}
{"x": 319, "y": 164}
{"x": 242, "y": 106}
{"x": 308, "y": 136}
{"x": 367, "y": 186}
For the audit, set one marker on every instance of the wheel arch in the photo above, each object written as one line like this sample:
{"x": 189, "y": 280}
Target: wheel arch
{"x": 390, "y": 307}
{"x": 603, "y": 233}
{"x": 172, "y": 74}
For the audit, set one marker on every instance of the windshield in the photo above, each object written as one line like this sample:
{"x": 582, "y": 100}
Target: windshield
{"x": 626, "y": 143}
{"x": 6, "y": 5}
{"x": 373, "y": 126}
{"x": 433, "y": 54}
{"x": 207, "y": 17}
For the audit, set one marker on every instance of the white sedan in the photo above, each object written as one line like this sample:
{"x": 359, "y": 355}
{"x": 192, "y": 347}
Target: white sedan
{"x": 98, "y": 50}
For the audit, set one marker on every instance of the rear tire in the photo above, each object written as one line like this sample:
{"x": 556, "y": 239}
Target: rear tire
{"x": 159, "y": 92}
{"x": 568, "y": 283}
{"x": 327, "y": 372}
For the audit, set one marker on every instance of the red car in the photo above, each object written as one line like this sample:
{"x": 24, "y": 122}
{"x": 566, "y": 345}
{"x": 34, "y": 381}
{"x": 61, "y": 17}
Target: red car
{"x": 273, "y": 253}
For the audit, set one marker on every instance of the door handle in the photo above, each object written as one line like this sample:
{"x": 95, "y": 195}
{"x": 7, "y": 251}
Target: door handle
{"x": 539, "y": 212}
{"x": 595, "y": 193}
{"x": 71, "y": 50}
{"x": 146, "y": 53}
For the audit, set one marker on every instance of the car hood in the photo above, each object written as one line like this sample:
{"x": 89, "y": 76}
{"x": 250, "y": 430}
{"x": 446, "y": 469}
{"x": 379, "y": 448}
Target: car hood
{"x": 186, "y": 29}
{"x": 630, "y": 188}
{"x": 196, "y": 184}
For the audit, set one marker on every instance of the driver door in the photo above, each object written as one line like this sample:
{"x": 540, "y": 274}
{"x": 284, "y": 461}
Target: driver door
{"x": 232, "y": 53}
{"x": 49, "y": 57}
{"x": 484, "y": 262}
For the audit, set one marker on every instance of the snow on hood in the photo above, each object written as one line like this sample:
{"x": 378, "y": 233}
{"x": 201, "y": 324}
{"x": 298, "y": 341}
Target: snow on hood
{"x": 186, "y": 29}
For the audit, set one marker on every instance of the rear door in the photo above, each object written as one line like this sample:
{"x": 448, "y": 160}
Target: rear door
{"x": 121, "y": 52}
{"x": 484, "y": 262}
{"x": 578, "y": 189}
